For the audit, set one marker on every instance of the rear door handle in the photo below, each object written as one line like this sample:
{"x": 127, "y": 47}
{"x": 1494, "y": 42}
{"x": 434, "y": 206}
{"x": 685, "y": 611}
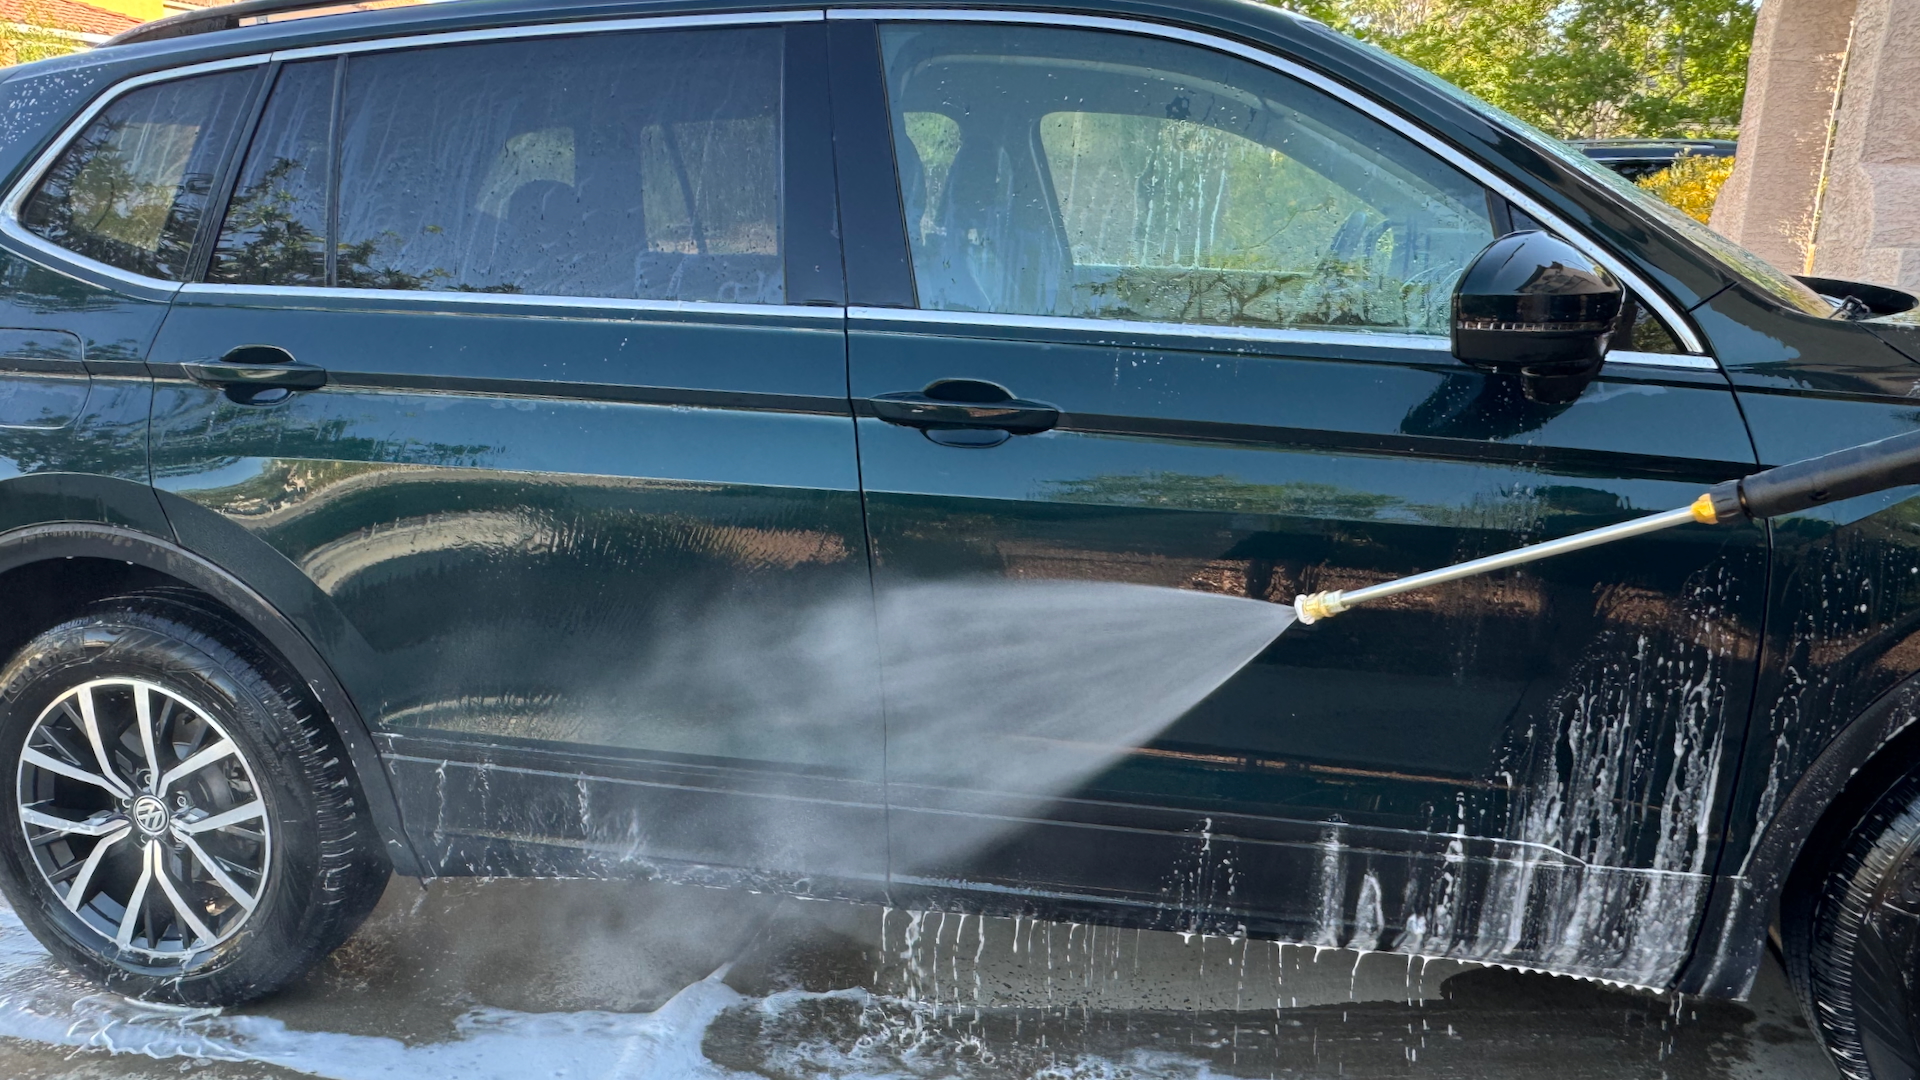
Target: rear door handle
{"x": 257, "y": 367}
{"x": 961, "y": 404}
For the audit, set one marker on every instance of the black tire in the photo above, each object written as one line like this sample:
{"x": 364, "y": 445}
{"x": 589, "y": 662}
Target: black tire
{"x": 201, "y": 679}
{"x": 1850, "y": 927}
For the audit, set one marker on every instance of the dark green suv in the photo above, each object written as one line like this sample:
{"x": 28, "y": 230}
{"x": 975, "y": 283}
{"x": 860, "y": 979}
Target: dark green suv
{"x": 866, "y": 453}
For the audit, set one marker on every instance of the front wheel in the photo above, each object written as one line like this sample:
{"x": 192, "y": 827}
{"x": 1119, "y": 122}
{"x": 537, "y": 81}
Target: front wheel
{"x": 1851, "y": 927}
{"x": 182, "y": 826}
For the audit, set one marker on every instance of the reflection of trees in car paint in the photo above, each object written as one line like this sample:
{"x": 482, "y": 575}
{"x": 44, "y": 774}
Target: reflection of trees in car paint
{"x": 1557, "y": 508}
{"x": 1224, "y": 493}
{"x": 104, "y": 449}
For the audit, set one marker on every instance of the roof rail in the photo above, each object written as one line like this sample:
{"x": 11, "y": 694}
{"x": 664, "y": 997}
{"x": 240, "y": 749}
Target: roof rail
{"x": 229, "y": 16}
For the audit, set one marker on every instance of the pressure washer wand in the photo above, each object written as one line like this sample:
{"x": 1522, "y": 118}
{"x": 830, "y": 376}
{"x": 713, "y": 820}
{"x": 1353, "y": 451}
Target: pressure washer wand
{"x": 1843, "y": 474}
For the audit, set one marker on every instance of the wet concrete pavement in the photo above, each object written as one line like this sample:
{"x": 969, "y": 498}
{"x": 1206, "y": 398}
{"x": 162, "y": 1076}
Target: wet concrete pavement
{"x": 517, "y": 979}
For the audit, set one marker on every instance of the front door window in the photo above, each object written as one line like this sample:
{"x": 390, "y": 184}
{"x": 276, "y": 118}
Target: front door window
{"x": 1072, "y": 173}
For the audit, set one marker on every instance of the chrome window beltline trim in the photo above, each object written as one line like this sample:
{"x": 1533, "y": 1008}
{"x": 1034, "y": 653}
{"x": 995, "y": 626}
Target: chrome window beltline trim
{"x": 1261, "y": 334}
{"x": 296, "y": 293}
{"x": 1276, "y": 335}
{"x": 1689, "y": 339}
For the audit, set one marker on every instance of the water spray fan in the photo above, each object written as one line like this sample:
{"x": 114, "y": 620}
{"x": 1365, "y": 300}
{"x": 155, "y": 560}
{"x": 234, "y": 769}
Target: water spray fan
{"x": 1829, "y": 478}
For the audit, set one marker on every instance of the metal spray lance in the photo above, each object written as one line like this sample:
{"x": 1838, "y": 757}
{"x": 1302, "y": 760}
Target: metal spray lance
{"x": 1829, "y": 478}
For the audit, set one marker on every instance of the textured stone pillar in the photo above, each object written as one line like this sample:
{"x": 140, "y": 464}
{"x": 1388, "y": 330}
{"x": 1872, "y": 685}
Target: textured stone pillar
{"x": 1870, "y": 220}
{"x": 1767, "y": 204}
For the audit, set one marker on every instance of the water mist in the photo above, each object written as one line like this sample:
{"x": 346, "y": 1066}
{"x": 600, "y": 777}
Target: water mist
{"x": 1025, "y": 689}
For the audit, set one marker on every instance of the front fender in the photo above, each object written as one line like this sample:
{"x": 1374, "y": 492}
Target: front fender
{"x": 1868, "y": 754}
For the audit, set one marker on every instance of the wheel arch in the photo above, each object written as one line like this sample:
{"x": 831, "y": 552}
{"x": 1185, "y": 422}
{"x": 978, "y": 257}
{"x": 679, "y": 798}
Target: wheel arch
{"x": 148, "y": 557}
{"x": 1871, "y": 753}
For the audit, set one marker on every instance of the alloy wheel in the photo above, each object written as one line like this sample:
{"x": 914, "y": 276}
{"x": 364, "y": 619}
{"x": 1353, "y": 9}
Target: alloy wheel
{"x": 144, "y": 818}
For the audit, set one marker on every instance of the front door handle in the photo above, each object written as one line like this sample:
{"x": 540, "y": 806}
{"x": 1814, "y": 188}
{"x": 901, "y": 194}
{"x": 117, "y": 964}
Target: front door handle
{"x": 965, "y": 404}
{"x": 257, "y": 367}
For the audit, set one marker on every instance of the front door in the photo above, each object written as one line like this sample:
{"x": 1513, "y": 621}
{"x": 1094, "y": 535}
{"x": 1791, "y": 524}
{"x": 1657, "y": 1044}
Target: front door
{"x": 578, "y": 496}
{"x": 1178, "y": 353}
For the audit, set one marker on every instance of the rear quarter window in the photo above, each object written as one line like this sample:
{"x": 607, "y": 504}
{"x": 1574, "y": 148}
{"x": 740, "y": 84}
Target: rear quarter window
{"x": 130, "y": 190}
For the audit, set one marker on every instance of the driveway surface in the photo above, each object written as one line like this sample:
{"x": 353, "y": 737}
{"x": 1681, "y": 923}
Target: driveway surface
{"x": 512, "y": 979}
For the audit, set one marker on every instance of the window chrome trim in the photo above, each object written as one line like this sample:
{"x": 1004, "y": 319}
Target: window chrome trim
{"x": 1260, "y": 334}
{"x": 1251, "y": 334}
{"x": 1666, "y": 309}
{"x": 63, "y": 260}
{"x": 294, "y": 294}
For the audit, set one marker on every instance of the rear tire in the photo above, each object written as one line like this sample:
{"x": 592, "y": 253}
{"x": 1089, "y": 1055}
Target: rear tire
{"x": 1851, "y": 930}
{"x": 218, "y": 858}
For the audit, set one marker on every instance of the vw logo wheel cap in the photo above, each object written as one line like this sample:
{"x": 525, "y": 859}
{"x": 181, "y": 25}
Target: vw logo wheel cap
{"x": 150, "y": 815}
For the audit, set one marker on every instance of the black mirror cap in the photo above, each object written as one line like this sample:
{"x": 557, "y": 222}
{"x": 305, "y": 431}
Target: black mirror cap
{"x": 1533, "y": 304}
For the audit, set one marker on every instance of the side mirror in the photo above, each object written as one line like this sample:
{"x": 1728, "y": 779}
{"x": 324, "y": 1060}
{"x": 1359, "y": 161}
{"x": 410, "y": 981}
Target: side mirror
{"x": 1532, "y": 305}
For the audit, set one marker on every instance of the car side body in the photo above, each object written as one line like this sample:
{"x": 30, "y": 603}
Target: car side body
{"x": 543, "y": 560}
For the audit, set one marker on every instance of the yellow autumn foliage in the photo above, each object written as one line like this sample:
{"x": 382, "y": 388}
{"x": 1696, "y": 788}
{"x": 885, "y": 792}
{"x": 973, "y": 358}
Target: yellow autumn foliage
{"x": 1691, "y": 183}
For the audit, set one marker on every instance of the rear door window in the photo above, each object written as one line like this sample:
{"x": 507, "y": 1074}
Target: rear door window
{"x": 130, "y": 190}
{"x": 639, "y": 166}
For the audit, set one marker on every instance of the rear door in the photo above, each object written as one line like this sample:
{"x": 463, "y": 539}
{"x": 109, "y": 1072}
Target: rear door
{"x": 578, "y": 494}
{"x": 1222, "y": 291}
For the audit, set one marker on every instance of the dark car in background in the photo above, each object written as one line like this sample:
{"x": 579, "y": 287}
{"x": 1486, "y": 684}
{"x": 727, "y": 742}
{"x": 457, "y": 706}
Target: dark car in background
{"x": 1637, "y": 159}
{"x": 860, "y": 452}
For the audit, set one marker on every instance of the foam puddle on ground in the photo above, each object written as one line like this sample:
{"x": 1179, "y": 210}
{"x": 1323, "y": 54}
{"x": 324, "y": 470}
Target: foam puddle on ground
{"x": 42, "y": 1003}
{"x": 1490, "y": 1023}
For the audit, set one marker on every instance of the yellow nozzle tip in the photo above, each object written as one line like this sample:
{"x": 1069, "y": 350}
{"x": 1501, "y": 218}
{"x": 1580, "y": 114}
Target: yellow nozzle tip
{"x": 1703, "y": 510}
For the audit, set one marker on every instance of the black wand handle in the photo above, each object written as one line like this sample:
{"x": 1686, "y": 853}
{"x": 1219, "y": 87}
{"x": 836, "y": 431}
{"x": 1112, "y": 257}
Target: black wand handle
{"x": 1843, "y": 474}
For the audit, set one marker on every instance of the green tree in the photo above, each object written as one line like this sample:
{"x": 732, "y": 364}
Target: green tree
{"x": 1577, "y": 68}
{"x": 35, "y": 37}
